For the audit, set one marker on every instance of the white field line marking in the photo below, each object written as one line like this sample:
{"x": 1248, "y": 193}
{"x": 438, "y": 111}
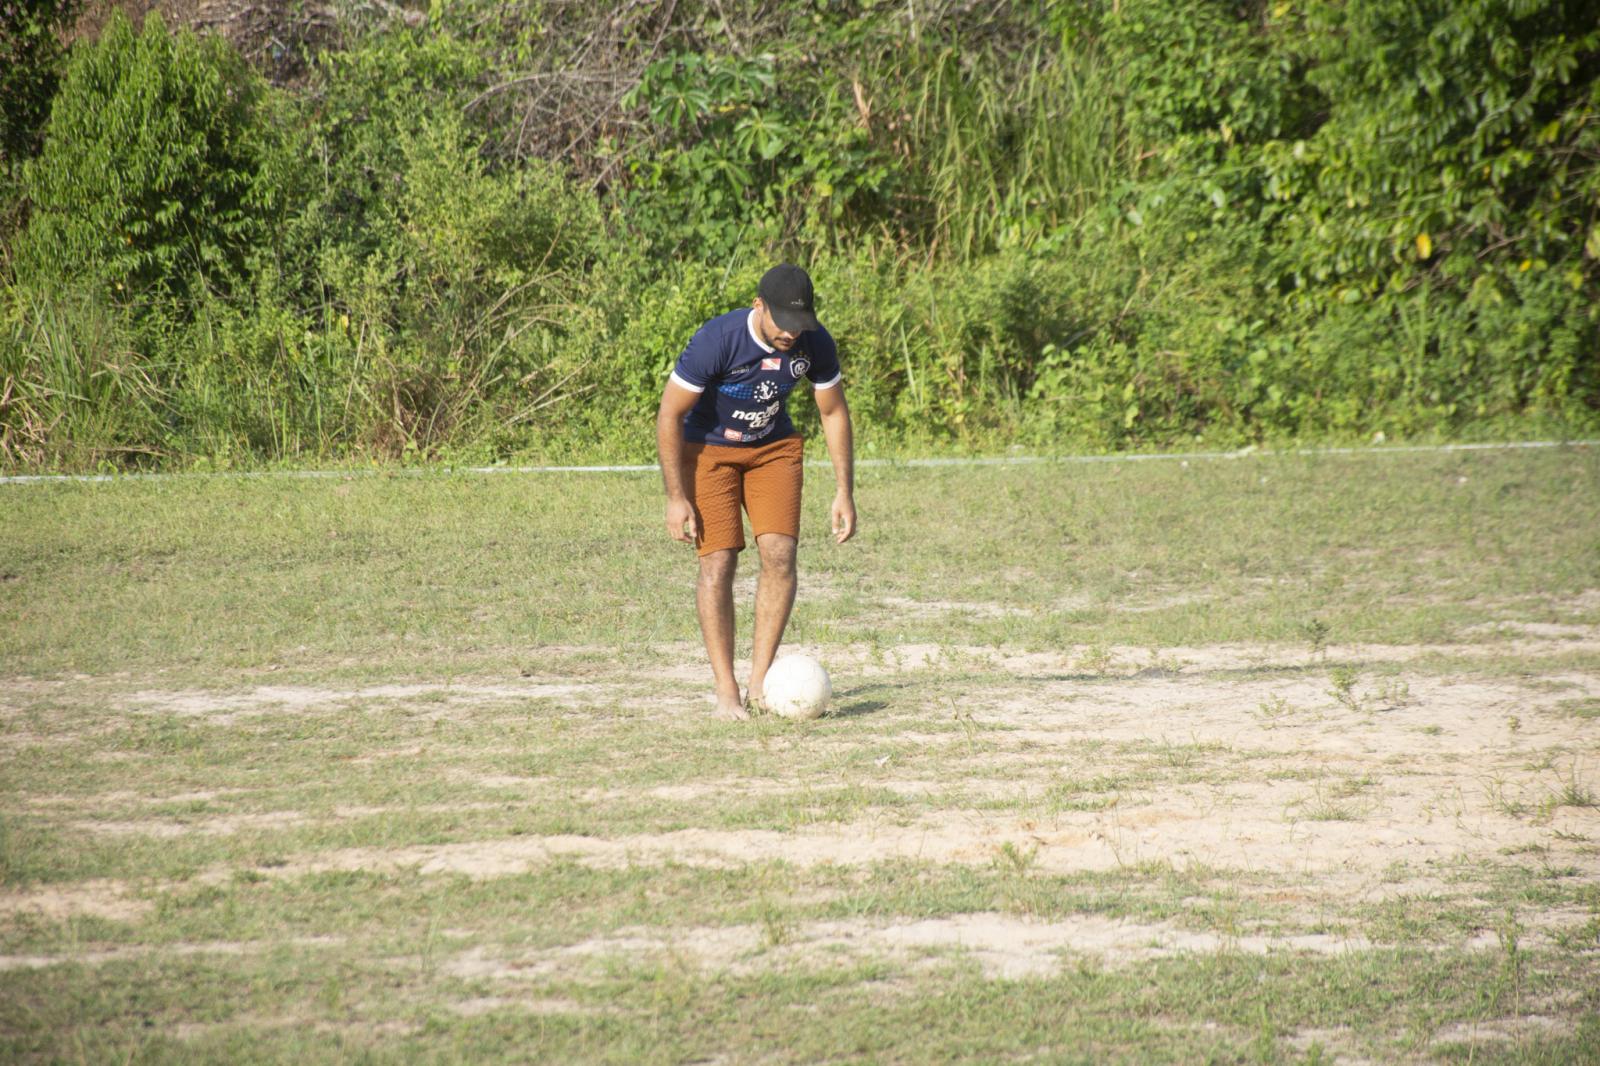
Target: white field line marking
{"x": 1009, "y": 460}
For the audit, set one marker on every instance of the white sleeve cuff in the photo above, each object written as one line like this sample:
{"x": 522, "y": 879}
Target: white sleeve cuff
{"x": 830, "y": 383}
{"x": 676, "y": 380}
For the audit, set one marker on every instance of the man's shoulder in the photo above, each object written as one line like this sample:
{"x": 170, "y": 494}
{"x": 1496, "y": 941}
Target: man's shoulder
{"x": 714, "y": 344}
{"x": 819, "y": 345}
{"x": 821, "y": 338}
{"x": 728, "y": 324}
{"x": 729, "y": 335}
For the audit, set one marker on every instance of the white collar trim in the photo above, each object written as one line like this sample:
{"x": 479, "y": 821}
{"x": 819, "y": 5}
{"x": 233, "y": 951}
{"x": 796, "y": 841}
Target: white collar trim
{"x": 750, "y": 324}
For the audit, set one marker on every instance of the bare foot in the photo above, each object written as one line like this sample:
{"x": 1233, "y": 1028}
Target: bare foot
{"x": 730, "y": 709}
{"x": 753, "y": 701}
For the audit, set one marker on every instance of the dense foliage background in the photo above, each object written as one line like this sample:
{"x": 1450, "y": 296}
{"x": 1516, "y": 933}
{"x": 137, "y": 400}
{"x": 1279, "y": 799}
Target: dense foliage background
{"x": 484, "y": 231}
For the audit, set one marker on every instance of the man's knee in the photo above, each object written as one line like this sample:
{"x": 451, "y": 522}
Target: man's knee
{"x": 777, "y": 554}
{"x": 716, "y": 568}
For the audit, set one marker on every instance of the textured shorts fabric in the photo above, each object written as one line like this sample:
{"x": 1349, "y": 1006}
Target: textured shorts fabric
{"x": 764, "y": 480}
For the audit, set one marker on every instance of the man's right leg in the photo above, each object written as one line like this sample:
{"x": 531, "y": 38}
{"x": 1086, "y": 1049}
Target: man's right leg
{"x": 713, "y": 600}
{"x": 715, "y": 485}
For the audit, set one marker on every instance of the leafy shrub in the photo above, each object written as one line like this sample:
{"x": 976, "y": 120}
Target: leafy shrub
{"x": 1401, "y": 181}
{"x": 368, "y": 100}
{"x": 1211, "y": 71}
{"x": 1057, "y": 225}
{"x": 30, "y": 59}
{"x": 468, "y": 300}
{"x": 161, "y": 173}
{"x": 738, "y": 160}
{"x": 1456, "y": 131}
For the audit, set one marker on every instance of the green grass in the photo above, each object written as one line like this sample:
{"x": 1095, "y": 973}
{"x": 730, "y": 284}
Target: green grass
{"x": 1580, "y": 708}
{"x": 458, "y": 574}
{"x": 1226, "y": 1008}
{"x": 419, "y": 769}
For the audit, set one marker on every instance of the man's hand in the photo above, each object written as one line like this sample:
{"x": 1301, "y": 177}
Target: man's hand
{"x": 844, "y": 518}
{"x": 841, "y": 449}
{"x": 675, "y": 403}
{"x": 682, "y": 523}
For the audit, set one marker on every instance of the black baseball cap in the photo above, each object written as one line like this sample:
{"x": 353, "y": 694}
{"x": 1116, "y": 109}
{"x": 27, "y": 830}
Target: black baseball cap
{"x": 787, "y": 292}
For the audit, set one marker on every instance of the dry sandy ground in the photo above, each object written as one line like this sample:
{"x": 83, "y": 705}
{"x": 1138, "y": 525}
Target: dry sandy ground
{"x": 1085, "y": 760}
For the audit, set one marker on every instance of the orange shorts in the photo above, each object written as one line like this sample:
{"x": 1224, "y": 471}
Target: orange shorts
{"x": 765, "y": 479}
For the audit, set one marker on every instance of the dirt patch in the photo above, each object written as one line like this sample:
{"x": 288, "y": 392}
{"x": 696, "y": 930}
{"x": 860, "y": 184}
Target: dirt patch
{"x": 106, "y": 899}
{"x": 97, "y": 801}
{"x": 299, "y": 699}
{"x": 1284, "y": 776}
{"x": 1001, "y": 945}
{"x": 1243, "y": 830}
{"x": 96, "y": 958}
{"x": 1189, "y": 759}
{"x": 503, "y": 781}
{"x": 268, "y": 821}
{"x": 1089, "y": 662}
{"x": 1543, "y": 630}
{"x": 481, "y": 1005}
{"x": 1335, "y": 1044}
{"x": 221, "y": 825}
{"x": 350, "y": 1034}
{"x": 901, "y": 605}
{"x": 690, "y": 792}
{"x": 214, "y": 947}
{"x": 684, "y": 663}
{"x": 40, "y": 962}
{"x": 1504, "y": 1030}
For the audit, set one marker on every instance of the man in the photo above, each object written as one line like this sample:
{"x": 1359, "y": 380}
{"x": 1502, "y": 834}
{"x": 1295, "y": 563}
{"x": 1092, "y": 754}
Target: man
{"x": 725, "y": 439}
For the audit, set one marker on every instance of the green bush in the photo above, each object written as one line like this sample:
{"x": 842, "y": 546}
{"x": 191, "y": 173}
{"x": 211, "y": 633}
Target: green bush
{"x": 460, "y": 317}
{"x": 161, "y": 173}
{"x": 31, "y": 57}
{"x": 1051, "y": 225}
{"x": 365, "y": 102}
{"x": 736, "y": 161}
{"x": 1403, "y": 184}
{"x": 30, "y": 62}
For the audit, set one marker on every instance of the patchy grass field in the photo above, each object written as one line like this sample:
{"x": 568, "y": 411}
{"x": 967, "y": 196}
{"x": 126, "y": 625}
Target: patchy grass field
{"x": 1257, "y": 760}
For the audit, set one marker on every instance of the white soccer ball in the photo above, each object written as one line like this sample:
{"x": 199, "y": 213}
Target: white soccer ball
{"x": 797, "y": 687}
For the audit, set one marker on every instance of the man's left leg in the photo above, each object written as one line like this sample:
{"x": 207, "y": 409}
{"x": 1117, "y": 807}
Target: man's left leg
{"x": 775, "y": 589}
{"x": 772, "y": 487}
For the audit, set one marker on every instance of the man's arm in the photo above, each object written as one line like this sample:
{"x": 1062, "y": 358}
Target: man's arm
{"x": 675, "y": 403}
{"x": 837, "y": 432}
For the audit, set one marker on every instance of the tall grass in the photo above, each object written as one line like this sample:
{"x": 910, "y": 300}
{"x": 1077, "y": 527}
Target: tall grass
{"x": 1011, "y": 158}
{"x": 73, "y": 389}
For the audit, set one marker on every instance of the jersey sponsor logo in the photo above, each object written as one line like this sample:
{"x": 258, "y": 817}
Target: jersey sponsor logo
{"x": 740, "y": 371}
{"x": 757, "y": 419}
{"x": 799, "y": 366}
{"x": 772, "y": 364}
{"x": 756, "y": 433}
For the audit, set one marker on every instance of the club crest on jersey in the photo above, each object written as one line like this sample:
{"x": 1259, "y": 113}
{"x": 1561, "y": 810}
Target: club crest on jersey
{"x": 766, "y": 391}
{"x": 799, "y": 366}
{"x": 771, "y": 364}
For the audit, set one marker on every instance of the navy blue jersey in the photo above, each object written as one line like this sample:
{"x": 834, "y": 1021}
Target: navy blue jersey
{"x": 743, "y": 383}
